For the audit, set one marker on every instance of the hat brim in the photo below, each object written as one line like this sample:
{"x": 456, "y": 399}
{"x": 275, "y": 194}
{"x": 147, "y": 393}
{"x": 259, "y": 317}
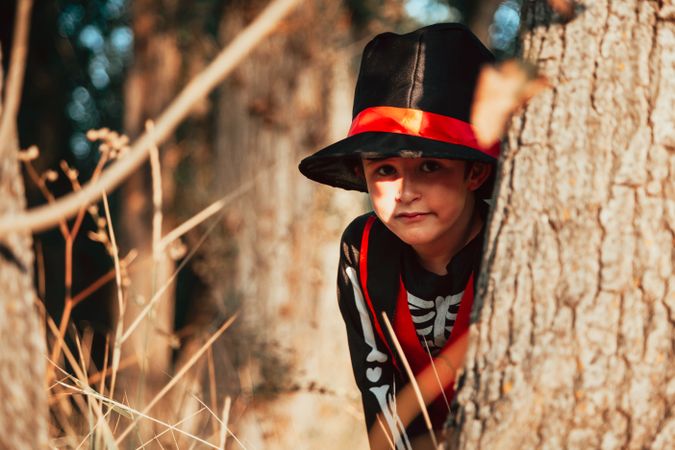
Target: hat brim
{"x": 335, "y": 165}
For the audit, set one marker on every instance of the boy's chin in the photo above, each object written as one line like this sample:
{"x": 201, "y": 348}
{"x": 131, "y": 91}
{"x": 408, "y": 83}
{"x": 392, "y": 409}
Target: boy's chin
{"x": 413, "y": 238}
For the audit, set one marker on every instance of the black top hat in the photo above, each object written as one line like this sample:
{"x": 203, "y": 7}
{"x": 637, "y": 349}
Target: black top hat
{"x": 413, "y": 98}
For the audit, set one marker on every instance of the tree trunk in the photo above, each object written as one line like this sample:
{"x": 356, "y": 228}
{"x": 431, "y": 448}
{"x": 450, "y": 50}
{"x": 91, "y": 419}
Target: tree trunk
{"x": 292, "y": 96}
{"x": 574, "y": 347}
{"x": 154, "y": 79}
{"x": 23, "y": 409}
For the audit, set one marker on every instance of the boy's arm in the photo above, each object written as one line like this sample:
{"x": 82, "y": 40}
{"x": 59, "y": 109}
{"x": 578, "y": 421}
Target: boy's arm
{"x": 430, "y": 383}
{"x": 372, "y": 367}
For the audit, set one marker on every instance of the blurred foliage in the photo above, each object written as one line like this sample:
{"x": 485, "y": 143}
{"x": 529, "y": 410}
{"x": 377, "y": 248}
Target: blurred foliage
{"x": 96, "y": 37}
{"x": 503, "y": 31}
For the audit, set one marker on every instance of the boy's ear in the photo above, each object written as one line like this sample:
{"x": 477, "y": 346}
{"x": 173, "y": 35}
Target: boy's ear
{"x": 478, "y": 173}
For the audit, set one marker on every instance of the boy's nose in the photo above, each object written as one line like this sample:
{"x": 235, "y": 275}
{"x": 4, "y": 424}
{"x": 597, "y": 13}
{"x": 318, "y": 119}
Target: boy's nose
{"x": 407, "y": 190}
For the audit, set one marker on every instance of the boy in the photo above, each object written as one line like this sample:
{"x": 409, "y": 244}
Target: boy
{"x": 416, "y": 258}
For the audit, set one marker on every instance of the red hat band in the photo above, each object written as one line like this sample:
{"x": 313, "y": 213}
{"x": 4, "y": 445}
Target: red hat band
{"x": 415, "y": 122}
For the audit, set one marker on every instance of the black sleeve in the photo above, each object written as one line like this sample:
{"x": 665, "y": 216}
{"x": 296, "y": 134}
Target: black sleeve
{"x": 372, "y": 366}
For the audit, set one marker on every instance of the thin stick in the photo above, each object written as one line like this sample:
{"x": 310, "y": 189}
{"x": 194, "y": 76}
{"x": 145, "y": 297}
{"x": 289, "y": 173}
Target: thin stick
{"x": 104, "y": 370}
{"x": 212, "y": 384}
{"x": 180, "y": 374}
{"x": 104, "y": 279}
{"x": 80, "y": 351}
{"x": 411, "y": 377}
{"x": 46, "y": 193}
{"x": 77, "y": 187}
{"x": 42, "y": 217}
{"x": 438, "y": 379}
{"x": 223, "y": 426}
{"x": 117, "y": 344}
{"x": 67, "y": 305}
{"x": 207, "y": 212}
{"x": 385, "y": 433}
{"x": 156, "y": 172}
{"x": 17, "y": 66}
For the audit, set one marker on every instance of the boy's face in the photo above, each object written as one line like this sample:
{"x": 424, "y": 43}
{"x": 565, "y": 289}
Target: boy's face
{"x": 423, "y": 201}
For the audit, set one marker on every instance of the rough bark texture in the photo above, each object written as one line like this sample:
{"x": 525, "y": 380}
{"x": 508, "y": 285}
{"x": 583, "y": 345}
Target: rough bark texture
{"x": 23, "y": 408}
{"x": 574, "y": 345}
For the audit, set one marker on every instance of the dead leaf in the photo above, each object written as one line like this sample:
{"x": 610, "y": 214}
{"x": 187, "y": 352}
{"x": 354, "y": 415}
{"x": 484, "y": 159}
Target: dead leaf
{"x": 500, "y": 91}
{"x": 563, "y": 7}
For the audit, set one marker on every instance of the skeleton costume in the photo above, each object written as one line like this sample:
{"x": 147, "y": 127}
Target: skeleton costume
{"x": 424, "y": 308}
{"x": 413, "y": 99}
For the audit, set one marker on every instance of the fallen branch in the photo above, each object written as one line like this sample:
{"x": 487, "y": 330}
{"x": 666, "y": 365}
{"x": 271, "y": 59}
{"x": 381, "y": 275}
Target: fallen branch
{"x": 43, "y": 217}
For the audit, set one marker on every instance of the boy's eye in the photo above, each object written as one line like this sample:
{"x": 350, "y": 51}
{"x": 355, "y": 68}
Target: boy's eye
{"x": 430, "y": 166}
{"x": 385, "y": 170}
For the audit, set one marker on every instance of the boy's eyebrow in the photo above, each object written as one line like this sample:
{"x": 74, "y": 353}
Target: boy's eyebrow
{"x": 372, "y": 160}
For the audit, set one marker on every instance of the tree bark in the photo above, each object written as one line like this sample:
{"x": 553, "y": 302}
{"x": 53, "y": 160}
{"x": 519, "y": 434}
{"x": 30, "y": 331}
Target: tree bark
{"x": 23, "y": 409}
{"x": 573, "y": 347}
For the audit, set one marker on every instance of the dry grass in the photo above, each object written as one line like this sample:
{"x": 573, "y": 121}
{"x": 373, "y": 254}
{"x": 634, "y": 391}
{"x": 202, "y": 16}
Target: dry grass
{"x": 87, "y": 409}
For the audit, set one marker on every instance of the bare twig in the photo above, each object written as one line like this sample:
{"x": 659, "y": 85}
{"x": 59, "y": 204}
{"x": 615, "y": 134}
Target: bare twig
{"x": 17, "y": 67}
{"x": 207, "y": 212}
{"x": 223, "y": 425}
{"x": 212, "y": 384}
{"x": 117, "y": 342}
{"x": 384, "y": 432}
{"x": 438, "y": 379}
{"x": 104, "y": 279}
{"x": 69, "y": 236}
{"x": 156, "y": 197}
{"x": 43, "y": 217}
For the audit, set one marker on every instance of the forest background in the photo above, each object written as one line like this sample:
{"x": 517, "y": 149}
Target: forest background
{"x": 218, "y": 259}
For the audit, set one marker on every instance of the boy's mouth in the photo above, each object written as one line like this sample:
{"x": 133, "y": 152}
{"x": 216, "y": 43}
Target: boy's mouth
{"x": 411, "y": 216}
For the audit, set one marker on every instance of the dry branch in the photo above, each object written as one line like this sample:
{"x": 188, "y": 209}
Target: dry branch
{"x": 17, "y": 66}
{"x": 43, "y": 217}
